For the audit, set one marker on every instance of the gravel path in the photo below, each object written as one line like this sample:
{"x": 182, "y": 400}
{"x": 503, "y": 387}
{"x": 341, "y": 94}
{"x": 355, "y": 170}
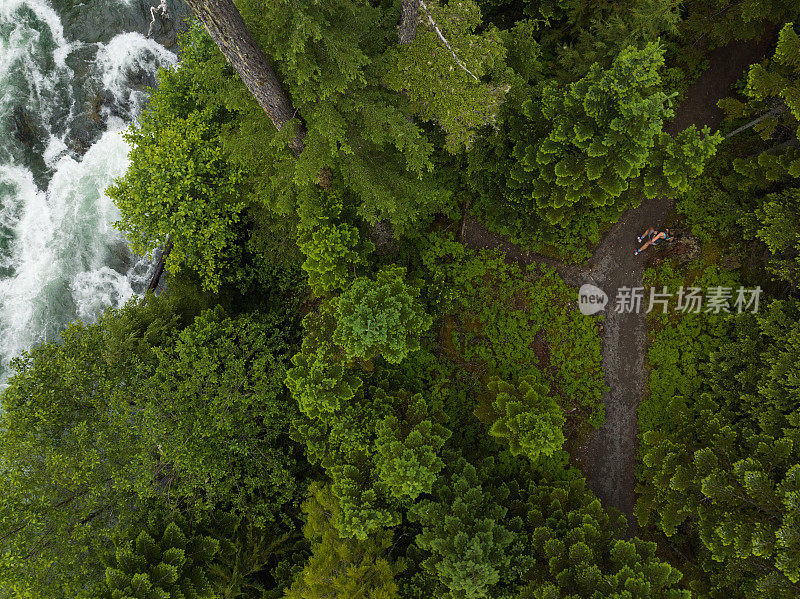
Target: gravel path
{"x": 608, "y": 458}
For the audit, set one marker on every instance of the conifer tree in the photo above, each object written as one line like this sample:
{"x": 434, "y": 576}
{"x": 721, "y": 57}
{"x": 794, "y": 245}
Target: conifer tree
{"x": 464, "y": 532}
{"x": 226, "y": 27}
{"x": 407, "y": 452}
{"x": 338, "y": 567}
{"x": 443, "y": 81}
{"x": 330, "y": 257}
{"x": 164, "y": 561}
{"x": 604, "y": 129}
{"x": 380, "y": 317}
{"x": 578, "y": 553}
{"x": 320, "y": 381}
{"x": 728, "y": 468}
{"x": 528, "y": 417}
{"x": 773, "y": 98}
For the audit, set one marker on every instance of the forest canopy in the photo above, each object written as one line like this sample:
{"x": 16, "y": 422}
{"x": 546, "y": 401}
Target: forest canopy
{"x": 369, "y": 376}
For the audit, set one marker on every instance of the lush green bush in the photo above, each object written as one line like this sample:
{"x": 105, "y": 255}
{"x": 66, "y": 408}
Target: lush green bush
{"x": 682, "y": 344}
{"x": 496, "y": 316}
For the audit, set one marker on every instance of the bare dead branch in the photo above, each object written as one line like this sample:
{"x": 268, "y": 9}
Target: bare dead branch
{"x": 444, "y": 41}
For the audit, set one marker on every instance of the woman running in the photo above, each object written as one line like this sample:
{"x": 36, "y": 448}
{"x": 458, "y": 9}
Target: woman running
{"x": 652, "y": 237}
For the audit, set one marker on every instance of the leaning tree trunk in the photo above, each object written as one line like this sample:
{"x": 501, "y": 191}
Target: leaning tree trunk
{"x": 227, "y": 28}
{"x": 409, "y": 15}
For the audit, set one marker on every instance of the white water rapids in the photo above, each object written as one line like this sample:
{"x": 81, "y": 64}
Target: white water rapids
{"x": 63, "y": 106}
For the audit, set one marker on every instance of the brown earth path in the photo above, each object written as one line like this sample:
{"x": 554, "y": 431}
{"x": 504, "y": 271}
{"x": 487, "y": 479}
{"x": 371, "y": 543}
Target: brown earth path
{"x": 608, "y": 458}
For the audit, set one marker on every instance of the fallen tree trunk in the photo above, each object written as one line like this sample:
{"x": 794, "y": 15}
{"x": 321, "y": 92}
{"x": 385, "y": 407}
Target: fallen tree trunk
{"x": 162, "y": 261}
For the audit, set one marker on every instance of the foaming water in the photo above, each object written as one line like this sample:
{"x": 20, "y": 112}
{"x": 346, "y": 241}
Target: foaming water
{"x": 130, "y": 58}
{"x": 61, "y": 146}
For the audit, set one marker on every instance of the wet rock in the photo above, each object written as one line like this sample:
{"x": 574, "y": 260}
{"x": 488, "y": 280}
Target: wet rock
{"x": 23, "y": 126}
{"x": 164, "y": 33}
{"x": 83, "y": 134}
{"x": 119, "y": 257}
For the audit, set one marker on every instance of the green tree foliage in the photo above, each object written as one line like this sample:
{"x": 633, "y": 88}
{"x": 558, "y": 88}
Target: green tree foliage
{"x": 164, "y": 561}
{"x": 334, "y": 250}
{"x": 725, "y": 467}
{"x": 578, "y": 35}
{"x": 408, "y": 461}
{"x": 718, "y": 22}
{"x": 775, "y": 83}
{"x": 779, "y": 219}
{"x": 330, "y": 254}
{"x": 380, "y": 317}
{"x": 130, "y": 410}
{"x": 320, "y": 381}
{"x": 439, "y": 88}
{"x": 341, "y": 568}
{"x": 70, "y": 456}
{"x": 587, "y": 96}
{"x": 578, "y": 551}
{"x": 251, "y": 558}
{"x": 327, "y": 55}
{"x": 180, "y": 187}
{"x": 676, "y": 161}
{"x": 218, "y": 411}
{"x": 371, "y": 438}
{"x": 528, "y": 417}
{"x": 756, "y": 199}
{"x": 604, "y": 129}
{"x": 463, "y": 530}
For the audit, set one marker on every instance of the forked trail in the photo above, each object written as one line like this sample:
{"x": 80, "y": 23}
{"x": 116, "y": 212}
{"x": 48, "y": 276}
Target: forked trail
{"x": 609, "y": 456}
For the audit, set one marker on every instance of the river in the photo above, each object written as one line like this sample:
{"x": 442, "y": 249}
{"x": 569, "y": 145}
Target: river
{"x": 72, "y": 78}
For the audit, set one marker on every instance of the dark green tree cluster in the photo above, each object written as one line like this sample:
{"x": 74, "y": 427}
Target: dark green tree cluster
{"x": 578, "y": 551}
{"x": 582, "y": 139}
{"x": 463, "y": 531}
{"x": 753, "y": 206}
{"x": 720, "y": 464}
{"x": 147, "y": 407}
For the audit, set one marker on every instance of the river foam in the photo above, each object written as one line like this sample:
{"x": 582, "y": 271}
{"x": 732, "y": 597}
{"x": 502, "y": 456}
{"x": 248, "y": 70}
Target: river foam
{"x": 61, "y": 258}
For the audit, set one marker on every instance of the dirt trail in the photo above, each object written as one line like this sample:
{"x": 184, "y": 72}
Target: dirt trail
{"x": 608, "y": 458}
{"x": 610, "y": 455}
